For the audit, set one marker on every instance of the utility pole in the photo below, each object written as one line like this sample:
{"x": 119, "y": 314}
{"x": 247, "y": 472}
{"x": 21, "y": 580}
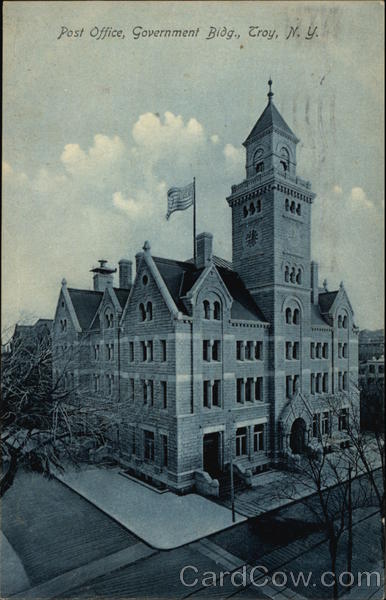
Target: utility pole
{"x": 231, "y": 468}
{"x": 349, "y": 540}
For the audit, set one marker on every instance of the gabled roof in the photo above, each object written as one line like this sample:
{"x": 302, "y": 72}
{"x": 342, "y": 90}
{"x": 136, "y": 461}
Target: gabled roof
{"x": 180, "y": 277}
{"x": 122, "y": 295}
{"x": 85, "y": 303}
{"x": 317, "y": 318}
{"x": 270, "y": 118}
{"x": 326, "y": 300}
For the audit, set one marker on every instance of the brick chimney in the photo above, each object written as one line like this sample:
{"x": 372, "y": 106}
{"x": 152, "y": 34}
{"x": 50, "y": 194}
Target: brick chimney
{"x": 103, "y": 276}
{"x": 314, "y": 282}
{"x": 125, "y": 273}
{"x": 204, "y": 249}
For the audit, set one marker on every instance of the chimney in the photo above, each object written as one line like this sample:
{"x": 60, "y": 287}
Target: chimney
{"x": 125, "y": 273}
{"x": 204, "y": 249}
{"x": 314, "y": 282}
{"x": 103, "y": 276}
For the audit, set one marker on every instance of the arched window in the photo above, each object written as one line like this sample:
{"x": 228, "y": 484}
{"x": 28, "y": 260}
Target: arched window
{"x": 260, "y": 167}
{"x": 344, "y": 322}
{"x": 284, "y": 159}
{"x": 286, "y": 274}
{"x": 299, "y": 277}
{"x": 293, "y": 275}
{"x": 258, "y": 205}
{"x": 287, "y": 204}
{"x": 245, "y": 211}
{"x": 293, "y": 207}
{"x": 296, "y": 317}
{"x": 340, "y": 321}
{"x": 252, "y": 208}
{"x": 217, "y": 311}
{"x": 299, "y": 210}
{"x": 288, "y": 316}
{"x": 206, "y": 309}
{"x": 142, "y": 312}
{"x": 149, "y": 311}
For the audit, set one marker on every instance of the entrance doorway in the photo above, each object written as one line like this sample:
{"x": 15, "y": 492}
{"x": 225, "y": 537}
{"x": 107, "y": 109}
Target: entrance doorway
{"x": 298, "y": 436}
{"x": 212, "y": 453}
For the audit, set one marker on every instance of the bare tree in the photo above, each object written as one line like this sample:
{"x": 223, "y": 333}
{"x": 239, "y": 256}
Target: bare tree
{"x": 46, "y": 418}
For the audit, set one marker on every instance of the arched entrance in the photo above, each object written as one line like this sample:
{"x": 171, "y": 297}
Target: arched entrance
{"x": 298, "y": 436}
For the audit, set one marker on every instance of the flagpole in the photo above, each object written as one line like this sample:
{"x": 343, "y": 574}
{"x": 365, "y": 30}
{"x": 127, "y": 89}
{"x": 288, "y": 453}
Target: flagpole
{"x": 194, "y": 219}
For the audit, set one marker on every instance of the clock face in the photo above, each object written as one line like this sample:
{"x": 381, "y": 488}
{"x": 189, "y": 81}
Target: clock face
{"x": 251, "y": 238}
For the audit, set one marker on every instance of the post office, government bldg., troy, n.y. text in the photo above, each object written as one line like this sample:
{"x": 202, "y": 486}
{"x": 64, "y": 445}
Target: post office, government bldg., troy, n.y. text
{"x": 203, "y": 358}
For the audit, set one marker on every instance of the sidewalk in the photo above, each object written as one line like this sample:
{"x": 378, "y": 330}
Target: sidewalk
{"x": 164, "y": 521}
{"x": 13, "y": 577}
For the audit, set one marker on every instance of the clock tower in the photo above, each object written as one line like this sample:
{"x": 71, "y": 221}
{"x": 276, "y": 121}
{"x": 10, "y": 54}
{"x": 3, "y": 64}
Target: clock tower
{"x": 271, "y": 214}
{"x": 271, "y": 243}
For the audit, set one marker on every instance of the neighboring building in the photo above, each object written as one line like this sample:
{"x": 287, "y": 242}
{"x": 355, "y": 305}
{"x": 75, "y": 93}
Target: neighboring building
{"x": 371, "y": 344}
{"x": 31, "y": 334}
{"x": 372, "y": 385}
{"x": 212, "y": 357}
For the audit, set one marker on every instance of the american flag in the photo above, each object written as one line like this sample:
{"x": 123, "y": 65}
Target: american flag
{"x": 180, "y": 198}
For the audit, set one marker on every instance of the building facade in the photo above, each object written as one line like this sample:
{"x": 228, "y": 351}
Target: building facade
{"x": 212, "y": 361}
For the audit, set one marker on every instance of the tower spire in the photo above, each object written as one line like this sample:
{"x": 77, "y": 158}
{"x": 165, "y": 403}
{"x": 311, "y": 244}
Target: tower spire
{"x": 270, "y": 93}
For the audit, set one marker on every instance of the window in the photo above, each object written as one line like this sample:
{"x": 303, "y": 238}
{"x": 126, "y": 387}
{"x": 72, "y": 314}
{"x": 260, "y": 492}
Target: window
{"x": 216, "y": 350}
{"x": 325, "y": 423}
{"x": 312, "y": 383}
{"x": 259, "y": 389}
{"x": 109, "y": 352}
{"x": 325, "y": 350}
{"x": 240, "y": 384}
{"x": 371, "y": 368}
{"x": 286, "y": 204}
{"x": 340, "y": 350}
{"x": 149, "y": 311}
{"x": 260, "y": 167}
{"x": 216, "y": 393}
{"x": 245, "y": 211}
{"x": 287, "y": 276}
{"x": 241, "y": 441}
{"x": 144, "y": 391}
{"x": 131, "y": 351}
{"x": 295, "y": 351}
{"x": 299, "y": 210}
{"x": 206, "y": 390}
{"x": 296, "y": 317}
{"x": 288, "y": 386}
{"x": 143, "y": 351}
{"x": 110, "y": 384}
{"x": 150, "y": 385}
{"x": 295, "y": 383}
{"x": 63, "y": 325}
{"x": 340, "y": 321}
{"x": 217, "y": 311}
{"x": 249, "y": 353}
{"x": 205, "y": 350}
{"x": 206, "y": 306}
{"x": 340, "y": 381}
{"x": 318, "y": 350}
{"x": 142, "y": 312}
{"x": 318, "y": 383}
{"x": 97, "y": 383}
{"x": 325, "y": 382}
{"x": 293, "y": 207}
{"x": 299, "y": 277}
{"x": 381, "y": 369}
{"x": 150, "y": 353}
{"x": 344, "y": 351}
{"x": 109, "y": 320}
{"x": 239, "y": 350}
{"x": 258, "y": 438}
{"x": 96, "y": 352}
{"x": 258, "y": 350}
{"x": 145, "y": 279}
{"x": 345, "y": 381}
{"x": 149, "y": 445}
{"x": 288, "y": 316}
{"x": 248, "y": 390}
{"x": 252, "y": 209}
{"x": 258, "y": 205}
{"x": 343, "y": 420}
{"x": 131, "y": 389}
{"x": 345, "y": 322}
{"x": 164, "y": 394}
{"x": 163, "y": 350}
{"x": 293, "y": 275}
{"x": 312, "y": 350}
{"x": 288, "y": 350}
{"x": 164, "y": 450}
{"x": 315, "y": 426}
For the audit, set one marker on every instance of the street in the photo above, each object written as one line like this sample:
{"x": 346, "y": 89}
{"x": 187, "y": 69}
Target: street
{"x": 69, "y": 548}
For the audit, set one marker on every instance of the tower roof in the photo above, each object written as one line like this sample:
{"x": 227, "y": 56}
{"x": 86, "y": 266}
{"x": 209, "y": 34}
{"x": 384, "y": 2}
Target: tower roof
{"x": 270, "y": 117}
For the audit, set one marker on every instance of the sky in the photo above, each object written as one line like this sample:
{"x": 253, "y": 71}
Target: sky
{"x": 96, "y": 131}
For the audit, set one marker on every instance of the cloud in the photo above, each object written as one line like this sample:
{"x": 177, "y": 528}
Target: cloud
{"x": 234, "y": 156}
{"x": 337, "y": 190}
{"x": 359, "y": 198}
{"x": 104, "y": 153}
{"x": 127, "y": 205}
{"x": 214, "y": 139}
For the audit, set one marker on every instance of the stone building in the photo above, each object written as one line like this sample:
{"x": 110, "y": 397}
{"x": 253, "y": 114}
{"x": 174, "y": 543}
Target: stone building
{"x": 213, "y": 360}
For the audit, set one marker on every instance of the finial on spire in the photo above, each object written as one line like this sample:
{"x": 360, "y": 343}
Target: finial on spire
{"x": 146, "y": 246}
{"x": 270, "y": 93}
